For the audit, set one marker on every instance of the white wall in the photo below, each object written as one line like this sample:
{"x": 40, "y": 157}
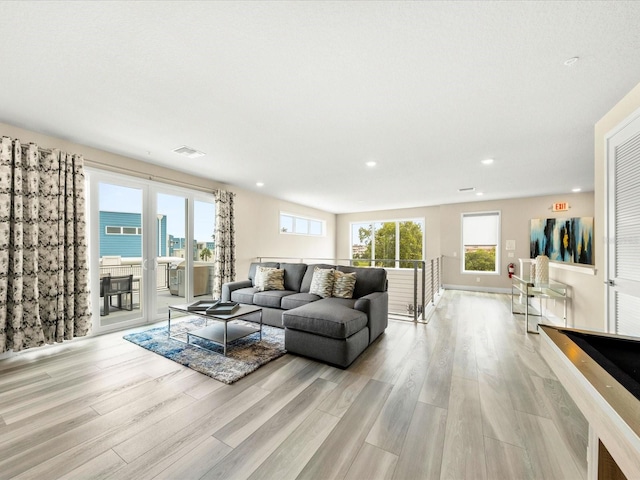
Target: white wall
{"x": 257, "y": 216}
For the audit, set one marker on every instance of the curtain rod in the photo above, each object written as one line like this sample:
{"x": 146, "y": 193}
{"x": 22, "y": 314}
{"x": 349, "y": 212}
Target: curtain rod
{"x": 129, "y": 171}
{"x": 27, "y": 145}
{"x": 136, "y": 173}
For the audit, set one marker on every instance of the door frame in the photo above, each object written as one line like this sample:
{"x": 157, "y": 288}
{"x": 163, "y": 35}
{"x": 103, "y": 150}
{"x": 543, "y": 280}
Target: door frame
{"x": 609, "y": 219}
{"x": 150, "y": 189}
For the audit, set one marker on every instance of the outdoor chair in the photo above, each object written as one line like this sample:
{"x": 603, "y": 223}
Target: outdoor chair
{"x": 120, "y": 287}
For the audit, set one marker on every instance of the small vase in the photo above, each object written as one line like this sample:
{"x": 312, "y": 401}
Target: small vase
{"x": 542, "y": 270}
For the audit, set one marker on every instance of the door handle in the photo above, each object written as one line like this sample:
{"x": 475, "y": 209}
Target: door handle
{"x": 611, "y": 283}
{"x": 144, "y": 264}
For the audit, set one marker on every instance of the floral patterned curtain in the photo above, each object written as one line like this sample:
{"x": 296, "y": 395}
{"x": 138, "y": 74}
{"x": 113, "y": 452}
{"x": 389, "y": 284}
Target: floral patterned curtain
{"x": 44, "y": 294}
{"x": 225, "y": 252}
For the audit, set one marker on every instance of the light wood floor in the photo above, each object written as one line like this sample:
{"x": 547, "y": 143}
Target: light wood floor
{"x": 466, "y": 396}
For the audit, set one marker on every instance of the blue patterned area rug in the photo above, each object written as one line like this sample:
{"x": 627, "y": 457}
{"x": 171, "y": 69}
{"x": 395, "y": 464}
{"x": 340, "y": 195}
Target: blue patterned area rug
{"x": 244, "y": 355}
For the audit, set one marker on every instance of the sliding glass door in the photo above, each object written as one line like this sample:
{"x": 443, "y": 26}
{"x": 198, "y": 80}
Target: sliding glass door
{"x": 119, "y": 278}
{"x": 151, "y": 246}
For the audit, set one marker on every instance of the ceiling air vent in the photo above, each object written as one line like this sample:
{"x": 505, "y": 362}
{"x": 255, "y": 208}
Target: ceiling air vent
{"x": 468, "y": 189}
{"x": 188, "y": 152}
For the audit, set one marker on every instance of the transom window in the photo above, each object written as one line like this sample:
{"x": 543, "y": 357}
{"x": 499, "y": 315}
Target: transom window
{"x": 480, "y": 240}
{"x": 297, "y": 225}
{"x": 387, "y": 244}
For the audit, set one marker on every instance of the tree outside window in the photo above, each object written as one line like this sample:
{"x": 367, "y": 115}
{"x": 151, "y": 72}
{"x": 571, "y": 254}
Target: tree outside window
{"x": 386, "y": 244}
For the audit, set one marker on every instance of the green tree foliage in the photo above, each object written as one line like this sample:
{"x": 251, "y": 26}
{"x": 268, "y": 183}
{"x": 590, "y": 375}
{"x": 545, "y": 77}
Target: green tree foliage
{"x": 410, "y": 243}
{"x": 205, "y": 254}
{"x": 385, "y": 244}
{"x": 480, "y": 260}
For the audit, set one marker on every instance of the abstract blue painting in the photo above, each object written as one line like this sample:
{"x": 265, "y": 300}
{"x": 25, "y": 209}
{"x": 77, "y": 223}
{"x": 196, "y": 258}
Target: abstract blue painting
{"x": 567, "y": 240}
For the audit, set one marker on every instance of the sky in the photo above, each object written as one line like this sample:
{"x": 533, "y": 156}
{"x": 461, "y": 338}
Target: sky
{"x": 116, "y": 198}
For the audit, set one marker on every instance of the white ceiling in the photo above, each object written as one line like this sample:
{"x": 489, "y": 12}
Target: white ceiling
{"x": 299, "y": 95}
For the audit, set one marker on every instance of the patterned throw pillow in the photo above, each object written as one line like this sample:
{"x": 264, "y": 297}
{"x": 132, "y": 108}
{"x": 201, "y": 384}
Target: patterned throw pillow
{"x": 259, "y": 279}
{"x": 322, "y": 282}
{"x": 343, "y": 284}
{"x": 272, "y": 280}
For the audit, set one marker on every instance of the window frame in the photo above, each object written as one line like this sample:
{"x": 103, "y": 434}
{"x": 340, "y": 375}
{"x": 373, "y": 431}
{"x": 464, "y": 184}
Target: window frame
{"x": 397, "y": 260}
{"x": 121, "y": 230}
{"x": 302, "y": 218}
{"x": 498, "y": 259}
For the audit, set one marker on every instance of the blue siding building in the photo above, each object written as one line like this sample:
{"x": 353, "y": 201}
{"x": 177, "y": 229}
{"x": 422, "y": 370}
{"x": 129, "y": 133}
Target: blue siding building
{"x": 121, "y": 234}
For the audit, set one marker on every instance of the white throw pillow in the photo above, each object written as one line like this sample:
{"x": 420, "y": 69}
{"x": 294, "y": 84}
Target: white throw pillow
{"x": 259, "y": 279}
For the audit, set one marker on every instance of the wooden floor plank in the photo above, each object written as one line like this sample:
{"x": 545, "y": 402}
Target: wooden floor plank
{"x": 571, "y": 424}
{"x": 498, "y": 415}
{"x": 193, "y": 415}
{"x": 286, "y": 462}
{"x": 390, "y": 428}
{"x": 254, "y": 450}
{"x": 68, "y": 451}
{"x": 195, "y": 463}
{"x": 339, "y": 401}
{"x": 97, "y": 468}
{"x": 334, "y": 457}
{"x": 236, "y": 431}
{"x": 167, "y": 446}
{"x": 421, "y": 455}
{"x": 549, "y": 455}
{"x": 372, "y": 462}
{"x": 506, "y": 461}
{"x": 463, "y": 454}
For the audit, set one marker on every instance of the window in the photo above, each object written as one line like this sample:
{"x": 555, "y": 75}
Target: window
{"x": 109, "y": 230}
{"x": 386, "y": 244}
{"x": 480, "y": 240}
{"x": 294, "y": 224}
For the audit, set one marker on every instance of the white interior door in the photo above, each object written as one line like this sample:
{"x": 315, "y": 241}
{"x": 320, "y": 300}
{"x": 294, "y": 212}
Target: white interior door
{"x": 623, "y": 225}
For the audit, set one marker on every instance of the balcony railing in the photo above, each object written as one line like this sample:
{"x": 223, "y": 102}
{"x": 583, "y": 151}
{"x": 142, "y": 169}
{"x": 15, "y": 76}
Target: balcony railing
{"x": 412, "y": 291}
{"x": 135, "y": 269}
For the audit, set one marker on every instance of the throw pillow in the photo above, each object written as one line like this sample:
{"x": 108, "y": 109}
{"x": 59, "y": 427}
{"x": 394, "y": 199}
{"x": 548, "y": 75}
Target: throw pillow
{"x": 343, "y": 284}
{"x": 322, "y": 282}
{"x": 272, "y": 280}
{"x": 258, "y": 280}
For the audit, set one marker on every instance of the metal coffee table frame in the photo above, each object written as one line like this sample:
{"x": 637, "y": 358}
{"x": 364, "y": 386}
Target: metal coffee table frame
{"x": 223, "y": 331}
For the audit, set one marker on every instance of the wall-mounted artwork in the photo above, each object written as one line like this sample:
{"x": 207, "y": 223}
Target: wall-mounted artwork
{"x": 563, "y": 239}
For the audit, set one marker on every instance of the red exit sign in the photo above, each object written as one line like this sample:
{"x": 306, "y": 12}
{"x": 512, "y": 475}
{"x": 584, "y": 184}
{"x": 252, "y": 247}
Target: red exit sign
{"x": 560, "y": 207}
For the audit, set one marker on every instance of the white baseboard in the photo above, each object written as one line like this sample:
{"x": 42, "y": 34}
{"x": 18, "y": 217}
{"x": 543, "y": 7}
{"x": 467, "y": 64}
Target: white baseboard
{"x": 477, "y": 289}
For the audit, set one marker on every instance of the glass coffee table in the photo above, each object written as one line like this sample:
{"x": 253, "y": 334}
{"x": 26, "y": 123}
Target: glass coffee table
{"x": 222, "y": 331}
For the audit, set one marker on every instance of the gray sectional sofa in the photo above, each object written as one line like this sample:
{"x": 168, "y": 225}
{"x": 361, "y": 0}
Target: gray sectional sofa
{"x": 332, "y": 330}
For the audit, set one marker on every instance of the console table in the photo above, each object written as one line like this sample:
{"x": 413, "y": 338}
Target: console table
{"x": 527, "y": 288}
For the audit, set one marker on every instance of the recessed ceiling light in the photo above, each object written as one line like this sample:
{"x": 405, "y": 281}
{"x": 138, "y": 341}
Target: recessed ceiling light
{"x": 468, "y": 189}
{"x": 487, "y": 161}
{"x": 571, "y": 61}
{"x": 575, "y": 190}
{"x": 371, "y": 164}
{"x": 259, "y": 184}
{"x": 188, "y": 152}
{"x": 479, "y": 194}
